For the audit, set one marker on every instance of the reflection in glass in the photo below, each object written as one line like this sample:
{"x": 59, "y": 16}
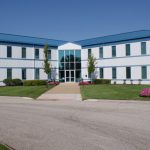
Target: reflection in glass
{"x": 78, "y": 65}
{"x": 61, "y": 56}
{"x": 78, "y": 55}
{"x": 72, "y": 66}
{"x": 72, "y": 56}
{"x": 61, "y": 66}
{"x": 67, "y": 66}
{"x": 67, "y": 56}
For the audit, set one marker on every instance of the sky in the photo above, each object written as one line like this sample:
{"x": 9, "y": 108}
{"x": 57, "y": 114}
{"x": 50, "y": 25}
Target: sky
{"x": 73, "y": 20}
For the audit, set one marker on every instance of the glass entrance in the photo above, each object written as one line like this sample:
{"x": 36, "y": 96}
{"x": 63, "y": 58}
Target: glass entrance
{"x": 69, "y": 65}
{"x": 69, "y": 76}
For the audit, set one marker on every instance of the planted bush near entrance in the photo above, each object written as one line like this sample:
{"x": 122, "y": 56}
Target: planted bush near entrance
{"x": 34, "y": 82}
{"x": 12, "y": 82}
{"x": 102, "y": 81}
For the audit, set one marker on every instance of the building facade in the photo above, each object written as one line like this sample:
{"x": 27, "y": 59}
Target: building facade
{"x": 123, "y": 58}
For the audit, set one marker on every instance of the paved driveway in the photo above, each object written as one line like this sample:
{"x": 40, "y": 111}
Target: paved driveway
{"x": 74, "y": 125}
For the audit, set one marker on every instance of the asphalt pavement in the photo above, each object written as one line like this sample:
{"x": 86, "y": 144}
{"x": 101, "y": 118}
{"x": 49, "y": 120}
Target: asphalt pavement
{"x": 27, "y": 124}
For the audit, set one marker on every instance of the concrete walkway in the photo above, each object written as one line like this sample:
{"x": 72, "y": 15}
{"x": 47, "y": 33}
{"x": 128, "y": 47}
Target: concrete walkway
{"x": 64, "y": 91}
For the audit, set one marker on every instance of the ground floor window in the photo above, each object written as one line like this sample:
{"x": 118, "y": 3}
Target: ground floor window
{"x": 144, "y": 72}
{"x": 101, "y": 72}
{"x": 23, "y": 74}
{"x": 114, "y": 75}
{"x": 9, "y": 73}
{"x": 128, "y": 72}
{"x": 37, "y": 73}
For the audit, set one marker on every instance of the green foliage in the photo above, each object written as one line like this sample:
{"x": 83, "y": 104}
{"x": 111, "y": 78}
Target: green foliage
{"x": 24, "y": 91}
{"x": 91, "y": 64}
{"x": 17, "y": 82}
{"x": 12, "y": 82}
{"x": 102, "y": 81}
{"x": 47, "y": 66}
{"x": 34, "y": 82}
{"x": 2, "y": 147}
{"x": 113, "y": 92}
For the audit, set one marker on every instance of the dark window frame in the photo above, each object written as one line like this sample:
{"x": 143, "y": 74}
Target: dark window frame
{"x": 9, "y": 51}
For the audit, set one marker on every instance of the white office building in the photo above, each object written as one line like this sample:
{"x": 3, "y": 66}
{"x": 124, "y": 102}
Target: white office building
{"x": 122, "y": 58}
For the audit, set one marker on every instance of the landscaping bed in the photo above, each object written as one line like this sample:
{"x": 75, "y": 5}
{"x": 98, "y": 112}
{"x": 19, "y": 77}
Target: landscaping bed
{"x": 113, "y": 92}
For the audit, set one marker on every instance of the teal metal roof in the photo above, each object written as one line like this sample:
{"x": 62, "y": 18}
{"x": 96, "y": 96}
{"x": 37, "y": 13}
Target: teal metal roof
{"x": 115, "y": 38}
{"x": 29, "y": 40}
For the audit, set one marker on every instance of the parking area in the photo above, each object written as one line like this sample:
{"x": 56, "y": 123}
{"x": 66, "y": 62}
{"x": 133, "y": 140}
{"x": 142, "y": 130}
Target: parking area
{"x": 74, "y": 125}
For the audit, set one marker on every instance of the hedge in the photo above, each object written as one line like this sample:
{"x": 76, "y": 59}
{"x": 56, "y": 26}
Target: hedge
{"x": 102, "y": 81}
{"x": 12, "y": 82}
{"x": 34, "y": 82}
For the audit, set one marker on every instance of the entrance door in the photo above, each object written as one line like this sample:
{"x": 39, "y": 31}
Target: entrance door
{"x": 69, "y": 76}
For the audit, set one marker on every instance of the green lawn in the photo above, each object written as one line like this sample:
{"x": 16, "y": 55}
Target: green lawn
{"x": 2, "y": 147}
{"x": 120, "y": 92}
{"x": 24, "y": 91}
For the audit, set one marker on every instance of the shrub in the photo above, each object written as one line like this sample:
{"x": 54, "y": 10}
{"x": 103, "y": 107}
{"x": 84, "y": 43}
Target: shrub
{"x": 17, "y": 82}
{"x": 8, "y": 82}
{"x": 102, "y": 81}
{"x": 34, "y": 82}
{"x": 12, "y": 82}
{"x": 145, "y": 92}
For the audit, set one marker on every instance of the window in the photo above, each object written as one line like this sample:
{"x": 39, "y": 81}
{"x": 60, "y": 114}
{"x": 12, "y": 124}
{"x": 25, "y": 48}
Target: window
{"x": 144, "y": 72}
{"x": 114, "y": 73}
{"x": 37, "y": 73}
{"x": 49, "y": 54}
{"x": 49, "y": 76}
{"x": 127, "y": 49}
{"x": 128, "y": 72}
{"x": 89, "y": 53}
{"x": 113, "y": 51}
{"x": 9, "y": 73}
{"x": 23, "y": 74}
{"x": 36, "y": 53}
{"x": 143, "y": 48}
{"x": 101, "y": 71}
{"x": 9, "y": 51}
{"x": 101, "y": 52}
{"x": 23, "y": 52}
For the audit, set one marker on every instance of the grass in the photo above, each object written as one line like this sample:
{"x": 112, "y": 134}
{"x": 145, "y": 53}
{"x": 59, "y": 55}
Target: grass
{"x": 23, "y": 91}
{"x": 114, "y": 92}
{"x": 2, "y": 147}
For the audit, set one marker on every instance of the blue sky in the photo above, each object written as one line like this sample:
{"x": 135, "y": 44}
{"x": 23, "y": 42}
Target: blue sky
{"x": 73, "y": 19}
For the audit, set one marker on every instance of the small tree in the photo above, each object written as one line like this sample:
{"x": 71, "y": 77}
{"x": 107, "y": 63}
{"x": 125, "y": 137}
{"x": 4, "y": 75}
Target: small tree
{"x": 91, "y": 65}
{"x": 47, "y": 65}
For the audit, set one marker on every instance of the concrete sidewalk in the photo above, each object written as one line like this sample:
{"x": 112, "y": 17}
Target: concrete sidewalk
{"x": 64, "y": 91}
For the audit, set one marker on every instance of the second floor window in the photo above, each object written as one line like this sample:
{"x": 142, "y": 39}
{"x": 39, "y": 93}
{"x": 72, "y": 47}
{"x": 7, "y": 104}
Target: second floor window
{"x": 89, "y": 53}
{"x": 143, "y": 48}
{"x": 113, "y": 51}
{"x": 101, "y": 52}
{"x": 36, "y": 53}
{"x": 49, "y": 54}
{"x": 9, "y": 51}
{"x": 23, "y": 52}
{"x": 127, "y": 49}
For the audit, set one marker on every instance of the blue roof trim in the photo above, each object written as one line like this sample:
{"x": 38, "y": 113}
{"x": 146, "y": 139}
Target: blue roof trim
{"x": 99, "y": 41}
{"x": 122, "y": 37}
{"x": 29, "y": 40}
